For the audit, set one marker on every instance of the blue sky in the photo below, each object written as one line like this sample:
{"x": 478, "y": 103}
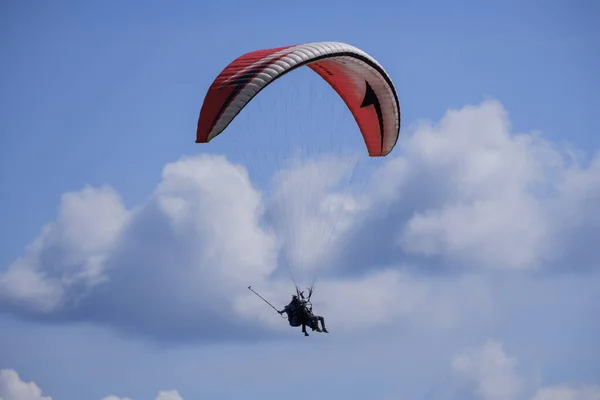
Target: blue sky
{"x": 487, "y": 212}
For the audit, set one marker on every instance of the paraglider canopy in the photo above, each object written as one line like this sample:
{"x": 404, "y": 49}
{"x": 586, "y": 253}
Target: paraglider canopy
{"x": 358, "y": 78}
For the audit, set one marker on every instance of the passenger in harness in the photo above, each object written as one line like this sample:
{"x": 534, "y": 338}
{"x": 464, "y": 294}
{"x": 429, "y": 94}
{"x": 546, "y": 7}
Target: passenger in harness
{"x": 299, "y": 312}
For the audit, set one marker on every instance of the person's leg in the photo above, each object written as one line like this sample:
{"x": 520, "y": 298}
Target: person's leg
{"x": 314, "y": 323}
{"x": 323, "y": 324}
{"x": 304, "y": 330}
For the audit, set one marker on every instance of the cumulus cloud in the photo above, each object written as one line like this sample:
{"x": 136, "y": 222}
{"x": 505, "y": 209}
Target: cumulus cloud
{"x": 13, "y": 388}
{"x": 312, "y": 206}
{"x": 493, "y": 371}
{"x": 156, "y": 267}
{"x": 70, "y": 253}
{"x": 467, "y": 191}
{"x": 496, "y": 376}
{"x": 463, "y": 193}
{"x": 169, "y": 395}
{"x": 563, "y": 392}
{"x": 116, "y": 398}
{"x": 162, "y": 395}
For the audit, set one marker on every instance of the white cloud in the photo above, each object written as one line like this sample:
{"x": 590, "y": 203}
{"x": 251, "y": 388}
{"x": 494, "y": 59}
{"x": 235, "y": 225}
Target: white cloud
{"x": 312, "y": 206}
{"x": 201, "y": 225}
{"x": 69, "y": 254}
{"x": 13, "y": 388}
{"x": 493, "y": 371}
{"x": 564, "y": 392}
{"x": 214, "y": 202}
{"x": 488, "y": 215}
{"x": 496, "y": 377}
{"x": 476, "y": 194}
{"x": 464, "y": 192}
{"x": 169, "y": 395}
{"x": 162, "y": 395}
{"x": 116, "y": 398}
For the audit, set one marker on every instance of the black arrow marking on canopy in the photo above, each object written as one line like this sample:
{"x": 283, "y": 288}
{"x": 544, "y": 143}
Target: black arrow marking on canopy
{"x": 372, "y": 100}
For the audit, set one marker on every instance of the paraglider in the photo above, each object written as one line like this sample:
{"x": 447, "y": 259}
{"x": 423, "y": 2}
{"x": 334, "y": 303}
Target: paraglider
{"x": 360, "y": 81}
{"x": 299, "y": 313}
{"x": 358, "y": 78}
